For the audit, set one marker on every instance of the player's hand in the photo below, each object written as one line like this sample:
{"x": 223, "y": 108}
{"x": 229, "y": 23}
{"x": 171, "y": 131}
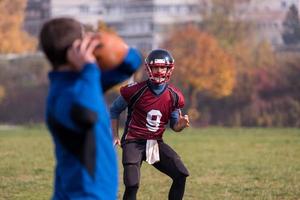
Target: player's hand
{"x": 117, "y": 141}
{"x": 183, "y": 121}
{"x": 81, "y": 52}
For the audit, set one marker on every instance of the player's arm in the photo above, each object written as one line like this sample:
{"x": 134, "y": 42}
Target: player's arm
{"x": 81, "y": 53}
{"x": 81, "y": 59}
{"x": 179, "y": 122}
{"x": 130, "y": 65}
{"x": 117, "y": 107}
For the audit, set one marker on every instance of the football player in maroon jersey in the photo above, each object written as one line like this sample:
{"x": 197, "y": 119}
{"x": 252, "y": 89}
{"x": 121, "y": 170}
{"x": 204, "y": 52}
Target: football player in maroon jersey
{"x": 151, "y": 105}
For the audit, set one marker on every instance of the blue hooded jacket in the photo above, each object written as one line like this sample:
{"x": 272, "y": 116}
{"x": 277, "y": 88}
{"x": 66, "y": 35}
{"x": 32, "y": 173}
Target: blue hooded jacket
{"x": 79, "y": 122}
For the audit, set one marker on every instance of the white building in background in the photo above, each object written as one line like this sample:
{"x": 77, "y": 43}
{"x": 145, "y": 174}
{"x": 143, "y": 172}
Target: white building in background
{"x": 86, "y": 11}
{"x": 36, "y": 13}
{"x": 144, "y": 23}
{"x": 39, "y": 11}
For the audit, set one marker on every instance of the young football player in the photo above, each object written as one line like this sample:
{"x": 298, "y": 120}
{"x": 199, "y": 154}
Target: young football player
{"x": 76, "y": 113}
{"x": 151, "y": 105}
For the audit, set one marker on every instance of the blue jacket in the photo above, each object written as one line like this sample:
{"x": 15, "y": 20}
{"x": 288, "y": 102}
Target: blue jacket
{"x": 78, "y": 119}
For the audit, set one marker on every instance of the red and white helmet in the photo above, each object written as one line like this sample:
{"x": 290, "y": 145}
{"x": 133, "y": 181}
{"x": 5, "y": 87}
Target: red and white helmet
{"x": 159, "y": 58}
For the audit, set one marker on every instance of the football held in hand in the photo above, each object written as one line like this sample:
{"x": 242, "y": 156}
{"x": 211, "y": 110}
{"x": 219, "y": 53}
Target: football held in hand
{"x": 111, "y": 51}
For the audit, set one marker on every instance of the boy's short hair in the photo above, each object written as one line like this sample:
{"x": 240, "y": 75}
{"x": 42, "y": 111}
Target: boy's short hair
{"x": 56, "y": 36}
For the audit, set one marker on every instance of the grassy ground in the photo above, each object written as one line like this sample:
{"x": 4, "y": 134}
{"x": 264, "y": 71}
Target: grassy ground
{"x": 224, "y": 164}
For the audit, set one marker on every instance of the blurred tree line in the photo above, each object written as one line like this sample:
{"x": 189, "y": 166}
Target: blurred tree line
{"x": 228, "y": 77}
{"x": 26, "y": 83}
{"x": 21, "y": 92}
{"x": 13, "y": 38}
{"x": 236, "y": 79}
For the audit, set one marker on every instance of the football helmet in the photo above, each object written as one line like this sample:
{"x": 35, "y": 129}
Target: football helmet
{"x": 159, "y": 65}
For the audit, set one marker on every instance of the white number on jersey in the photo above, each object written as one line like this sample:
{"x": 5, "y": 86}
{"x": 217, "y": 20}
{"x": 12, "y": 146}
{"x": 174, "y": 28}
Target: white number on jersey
{"x": 153, "y": 120}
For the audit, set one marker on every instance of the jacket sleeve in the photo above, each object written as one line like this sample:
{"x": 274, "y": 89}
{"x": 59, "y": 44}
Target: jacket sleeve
{"x": 129, "y": 66}
{"x": 83, "y": 117}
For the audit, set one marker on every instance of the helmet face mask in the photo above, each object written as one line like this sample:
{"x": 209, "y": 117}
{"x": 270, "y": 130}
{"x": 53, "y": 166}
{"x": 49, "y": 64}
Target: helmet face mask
{"x": 159, "y": 66}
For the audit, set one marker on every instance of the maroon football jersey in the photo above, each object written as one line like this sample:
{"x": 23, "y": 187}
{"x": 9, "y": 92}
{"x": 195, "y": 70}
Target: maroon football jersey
{"x": 148, "y": 113}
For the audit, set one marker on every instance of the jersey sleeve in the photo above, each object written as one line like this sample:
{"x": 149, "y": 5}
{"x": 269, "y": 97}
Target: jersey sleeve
{"x": 180, "y": 99}
{"x": 174, "y": 117}
{"x": 177, "y": 97}
{"x": 127, "y": 92}
{"x": 117, "y": 107}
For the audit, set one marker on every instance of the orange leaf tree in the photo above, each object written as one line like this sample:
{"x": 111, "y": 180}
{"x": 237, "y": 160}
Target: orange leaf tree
{"x": 201, "y": 64}
{"x": 13, "y": 38}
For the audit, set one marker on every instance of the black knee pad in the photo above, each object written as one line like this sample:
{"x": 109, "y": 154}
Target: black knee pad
{"x": 131, "y": 175}
{"x": 181, "y": 168}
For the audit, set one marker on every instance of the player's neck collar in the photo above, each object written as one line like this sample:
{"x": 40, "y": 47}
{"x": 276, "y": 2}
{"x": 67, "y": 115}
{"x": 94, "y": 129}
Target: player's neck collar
{"x": 157, "y": 89}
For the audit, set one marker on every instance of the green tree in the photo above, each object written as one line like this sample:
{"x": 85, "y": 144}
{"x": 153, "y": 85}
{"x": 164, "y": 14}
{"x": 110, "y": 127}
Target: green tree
{"x": 291, "y": 27}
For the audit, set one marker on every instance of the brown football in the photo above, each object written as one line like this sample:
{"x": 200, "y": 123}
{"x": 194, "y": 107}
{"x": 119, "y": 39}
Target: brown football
{"x": 111, "y": 51}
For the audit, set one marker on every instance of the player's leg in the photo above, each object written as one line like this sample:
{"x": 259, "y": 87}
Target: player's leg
{"x": 131, "y": 159}
{"x": 171, "y": 165}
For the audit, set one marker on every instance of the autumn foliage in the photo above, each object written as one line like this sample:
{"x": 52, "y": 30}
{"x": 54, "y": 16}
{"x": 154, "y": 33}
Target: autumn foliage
{"x": 201, "y": 65}
{"x": 13, "y": 38}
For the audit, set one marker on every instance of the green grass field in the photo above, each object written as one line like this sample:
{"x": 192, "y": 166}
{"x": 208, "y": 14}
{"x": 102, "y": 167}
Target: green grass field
{"x": 224, "y": 163}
